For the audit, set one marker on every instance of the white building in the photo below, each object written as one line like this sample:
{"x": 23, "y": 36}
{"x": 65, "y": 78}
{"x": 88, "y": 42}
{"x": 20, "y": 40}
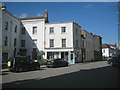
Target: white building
{"x": 109, "y": 50}
{"x": 34, "y": 35}
{"x": 62, "y": 40}
{"x": 11, "y": 27}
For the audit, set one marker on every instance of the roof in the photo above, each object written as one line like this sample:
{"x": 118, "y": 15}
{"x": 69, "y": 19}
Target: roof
{"x": 40, "y": 17}
{"x": 105, "y": 46}
{"x": 112, "y": 45}
{"x": 58, "y": 22}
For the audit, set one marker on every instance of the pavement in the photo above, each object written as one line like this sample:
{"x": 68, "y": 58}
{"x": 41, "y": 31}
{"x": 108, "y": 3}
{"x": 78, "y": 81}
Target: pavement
{"x": 87, "y": 75}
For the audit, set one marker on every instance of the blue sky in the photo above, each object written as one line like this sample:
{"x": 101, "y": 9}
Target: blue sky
{"x": 97, "y": 17}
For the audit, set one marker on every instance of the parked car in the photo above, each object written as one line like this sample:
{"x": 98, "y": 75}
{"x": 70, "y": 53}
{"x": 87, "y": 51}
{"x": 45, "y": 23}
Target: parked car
{"x": 23, "y": 63}
{"x": 114, "y": 61}
{"x": 109, "y": 60}
{"x": 56, "y": 63}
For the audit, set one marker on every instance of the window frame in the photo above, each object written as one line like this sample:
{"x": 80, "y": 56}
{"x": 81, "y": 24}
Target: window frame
{"x": 5, "y": 41}
{"x": 15, "y": 28}
{"x": 63, "y": 43}
{"x": 51, "y": 30}
{"x": 34, "y": 31}
{"x": 15, "y": 41}
{"x": 63, "y": 30}
{"x": 22, "y": 45}
{"x": 6, "y": 25}
{"x": 51, "y": 43}
{"x": 23, "y": 31}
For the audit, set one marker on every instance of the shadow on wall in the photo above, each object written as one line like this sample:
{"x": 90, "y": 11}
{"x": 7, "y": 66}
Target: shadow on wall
{"x": 105, "y": 77}
{"x": 28, "y": 47}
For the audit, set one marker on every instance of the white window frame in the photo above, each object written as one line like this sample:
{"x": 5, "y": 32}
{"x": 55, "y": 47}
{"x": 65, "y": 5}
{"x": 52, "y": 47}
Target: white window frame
{"x": 51, "y": 30}
{"x": 63, "y": 42}
{"x": 51, "y": 42}
{"x": 34, "y": 30}
{"x": 63, "y": 29}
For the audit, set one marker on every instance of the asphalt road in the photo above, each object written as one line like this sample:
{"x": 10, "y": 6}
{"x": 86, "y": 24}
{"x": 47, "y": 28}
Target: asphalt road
{"x": 88, "y": 75}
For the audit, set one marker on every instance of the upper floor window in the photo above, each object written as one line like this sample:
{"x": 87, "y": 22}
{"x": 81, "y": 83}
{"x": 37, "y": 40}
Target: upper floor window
{"x": 103, "y": 51}
{"x": 23, "y": 30}
{"x": 51, "y": 30}
{"x": 15, "y": 41}
{"x": 76, "y": 31}
{"x": 51, "y": 42}
{"x": 5, "y": 40}
{"x": 22, "y": 43}
{"x": 34, "y": 42}
{"x": 34, "y": 30}
{"x": 63, "y": 42}
{"x": 6, "y": 25}
{"x": 63, "y": 29}
{"x": 15, "y": 28}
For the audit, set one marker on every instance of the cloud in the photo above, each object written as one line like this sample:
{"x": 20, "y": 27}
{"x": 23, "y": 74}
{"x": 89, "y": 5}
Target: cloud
{"x": 88, "y": 6}
{"x": 23, "y": 15}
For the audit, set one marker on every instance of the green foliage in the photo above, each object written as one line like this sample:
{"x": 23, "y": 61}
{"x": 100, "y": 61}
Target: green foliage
{"x": 41, "y": 60}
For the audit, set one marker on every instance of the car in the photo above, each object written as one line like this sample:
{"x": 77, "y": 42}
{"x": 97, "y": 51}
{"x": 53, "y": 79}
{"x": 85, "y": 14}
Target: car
{"x": 115, "y": 61}
{"x": 56, "y": 63}
{"x": 23, "y": 63}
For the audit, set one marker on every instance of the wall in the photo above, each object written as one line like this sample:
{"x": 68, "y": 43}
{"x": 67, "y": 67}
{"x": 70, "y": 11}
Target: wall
{"x": 10, "y": 33}
{"x": 77, "y": 36}
{"x": 0, "y": 38}
{"x": 58, "y": 36}
{"x": 29, "y": 36}
{"x": 89, "y": 48}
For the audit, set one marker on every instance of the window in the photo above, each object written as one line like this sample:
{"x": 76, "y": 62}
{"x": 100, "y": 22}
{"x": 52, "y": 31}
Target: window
{"x": 63, "y": 42}
{"x": 76, "y": 31}
{"x": 63, "y": 29}
{"x": 103, "y": 51}
{"x": 6, "y": 25}
{"x": 51, "y": 42}
{"x": 51, "y": 30}
{"x": 23, "y": 30}
{"x": 34, "y": 42}
{"x": 22, "y": 43}
{"x": 6, "y": 41}
{"x": 15, "y": 41}
{"x": 15, "y": 28}
{"x": 34, "y": 30}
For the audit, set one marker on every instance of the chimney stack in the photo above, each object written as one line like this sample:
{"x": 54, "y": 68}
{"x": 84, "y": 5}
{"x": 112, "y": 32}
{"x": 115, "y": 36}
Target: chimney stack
{"x": 46, "y": 15}
{"x": 2, "y": 7}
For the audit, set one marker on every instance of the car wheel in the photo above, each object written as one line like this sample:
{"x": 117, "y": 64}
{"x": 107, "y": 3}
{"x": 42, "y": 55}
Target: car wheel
{"x": 19, "y": 69}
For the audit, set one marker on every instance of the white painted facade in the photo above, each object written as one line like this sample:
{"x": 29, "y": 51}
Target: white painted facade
{"x": 70, "y": 35}
{"x": 65, "y": 38}
{"x": 9, "y": 34}
{"x": 109, "y": 52}
{"x": 29, "y": 36}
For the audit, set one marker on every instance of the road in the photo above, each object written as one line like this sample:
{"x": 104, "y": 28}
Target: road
{"x": 87, "y": 75}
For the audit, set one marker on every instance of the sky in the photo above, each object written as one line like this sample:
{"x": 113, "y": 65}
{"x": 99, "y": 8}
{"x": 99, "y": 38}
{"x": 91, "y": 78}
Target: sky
{"x": 99, "y": 18}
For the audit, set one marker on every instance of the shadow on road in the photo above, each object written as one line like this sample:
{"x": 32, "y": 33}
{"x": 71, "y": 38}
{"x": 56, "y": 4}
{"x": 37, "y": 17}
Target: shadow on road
{"x": 105, "y": 77}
